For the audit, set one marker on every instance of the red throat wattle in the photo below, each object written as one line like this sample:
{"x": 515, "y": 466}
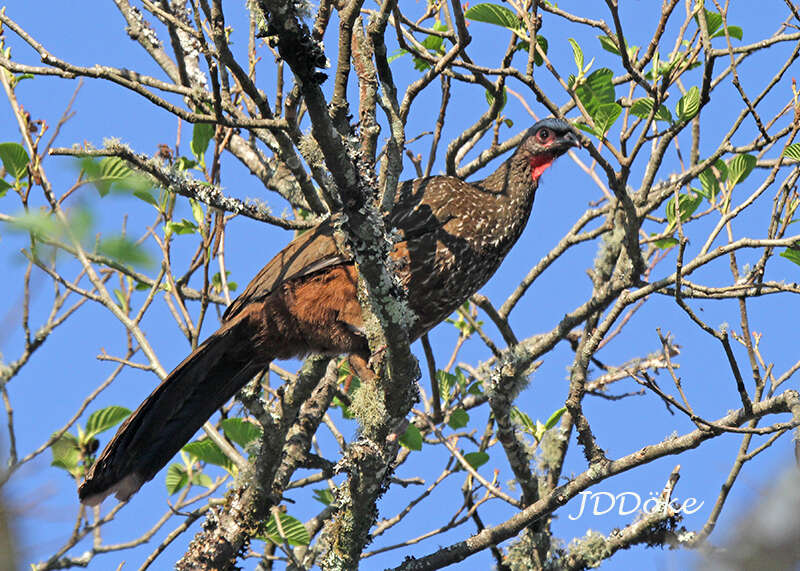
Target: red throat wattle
{"x": 539, "y": 163}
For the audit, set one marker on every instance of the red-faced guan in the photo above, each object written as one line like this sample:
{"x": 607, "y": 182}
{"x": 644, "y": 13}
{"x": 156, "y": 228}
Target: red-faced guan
{"x": 453, "y": 236}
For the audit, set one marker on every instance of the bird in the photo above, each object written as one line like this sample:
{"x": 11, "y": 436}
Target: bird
{"x": 453, "y": 235}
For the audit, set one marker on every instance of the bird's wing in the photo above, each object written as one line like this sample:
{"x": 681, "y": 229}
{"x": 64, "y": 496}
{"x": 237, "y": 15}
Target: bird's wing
{"x": 312, "y": 251}
{"x": 414, "y": 214}
{"x": 417, "y": 212}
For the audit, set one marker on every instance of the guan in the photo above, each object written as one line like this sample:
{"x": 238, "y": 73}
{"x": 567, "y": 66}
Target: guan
{"x": 453, "y": 235}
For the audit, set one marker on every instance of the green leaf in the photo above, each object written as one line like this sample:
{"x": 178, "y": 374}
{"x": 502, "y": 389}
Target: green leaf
{"x": 294, "y": 532}
{"x": 412, "y": 438}
{"x": 121, "y": 302}
{"x": 571, "y": 81}
{"x": 524, "y": 45}
{"x": 4, "y": 186}
{"x": 475, "y": 388}
{"x": 670, "y": 211}
{"x": 105, "y": 418}
{"x": 490, "y": 99}
{"x": 434, "y": 44}
{"x": 461, "y": 378}
{"x": 178, "y": 476}
{"x": 42, "y": 224}
{"x": 493, "y": 14}
{"x": 447, "y": 383}
{"x": 344, "y": 367}
{"x": 542, "y": 41}
{"x": 200, "y": 479}
{"x": 715, "y": 29}
{"x": 476, "y": 459}
{"x": 17, "y": 78}
{"x": 460, "y": 323}
{"x": 734, "y": 32}
{"x": 323, "y": 495}
{"x": 709, "y": 184}
{"x": 420, "y": 64}
{"x": 207, "y": 451}
{"x": 577, "y": 55}
{"x": 38, "y": 223}
{"x": 184, "y": 164}
{"x": 661, "y": 68}
{"x": 197, "y": 211}
{"x": 125, "y": 250}
{"x": 687, "y": 204}
{"x": 240, "y": 431}
{"x": 524, "y": 421}
{"x": 664, "y": 68}
{"x": 792, "y": 151}
{"x": 396, "y": 55}
{"x": 539, "y": 431}
{"x": 591, "y": 130}
{"x": 67, "y": 454}
{"x": 642, "y": 107}
{"x": 147, "y": 196}
{"x": 182, "y": 227}
{"x": 656, "y": 66}
{"x": 689, "y": 104}
{"x": 596, "y": 90}
{"x": 713, "y": 21}
{"x": 721, "y": 170}
{"x": 792, "y": 254}
{"x": 458, "y": 418}
{"x": 665, "y": 243}
{"x": 711, "y": 179}
{"x": 554, "y": 418}
{"x": 609, "y": 45}
{"x": 605, "y": 116}
{"x": 176, "y": 479}
{"x": 202, "y": 133}
{"x": 355, "y": 384}
{"x": 663, "y": 114}
{"x": 112, "y": 172}
{"x": 15, "y": 159}
{"x": 739, "y": 168}
{"x": 216, "y": 282}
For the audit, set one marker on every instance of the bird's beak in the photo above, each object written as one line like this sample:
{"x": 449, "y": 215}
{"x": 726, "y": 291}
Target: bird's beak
{"x": 569, "y": 140}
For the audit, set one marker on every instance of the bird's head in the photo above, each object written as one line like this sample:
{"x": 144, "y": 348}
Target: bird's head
{"x": 547, "y": 140}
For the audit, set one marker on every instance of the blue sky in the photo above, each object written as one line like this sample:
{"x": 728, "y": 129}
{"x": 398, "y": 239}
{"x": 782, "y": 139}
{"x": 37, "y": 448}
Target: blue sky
{"x": 57, "y": 379}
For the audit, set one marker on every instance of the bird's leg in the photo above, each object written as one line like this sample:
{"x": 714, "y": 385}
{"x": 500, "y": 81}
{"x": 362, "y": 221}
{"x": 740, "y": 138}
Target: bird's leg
{"x": 377, "y": 357}
{"x": 360, "y": 365}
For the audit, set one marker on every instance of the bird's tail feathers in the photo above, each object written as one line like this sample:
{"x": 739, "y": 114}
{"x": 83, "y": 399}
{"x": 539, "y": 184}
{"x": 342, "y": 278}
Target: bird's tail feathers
{"x": 171, "y": 415}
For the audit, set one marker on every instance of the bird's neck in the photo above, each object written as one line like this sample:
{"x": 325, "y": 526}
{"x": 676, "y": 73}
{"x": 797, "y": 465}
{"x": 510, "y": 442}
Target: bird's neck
{"x": 515, "y": 181}
{"x": 512, "y": 188}
{"x": 518, "y": 175}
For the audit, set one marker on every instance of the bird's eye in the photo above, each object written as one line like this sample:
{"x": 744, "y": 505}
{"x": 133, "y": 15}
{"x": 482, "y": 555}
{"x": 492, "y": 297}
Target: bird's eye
{"x": 543, "y": 134}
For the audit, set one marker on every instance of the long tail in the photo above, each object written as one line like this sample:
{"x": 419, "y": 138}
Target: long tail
{"x": 170, "y": 416}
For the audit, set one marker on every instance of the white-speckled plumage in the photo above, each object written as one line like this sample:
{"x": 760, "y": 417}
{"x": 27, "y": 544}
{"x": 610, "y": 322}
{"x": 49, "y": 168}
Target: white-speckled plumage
{"x": 457, "y": 233}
